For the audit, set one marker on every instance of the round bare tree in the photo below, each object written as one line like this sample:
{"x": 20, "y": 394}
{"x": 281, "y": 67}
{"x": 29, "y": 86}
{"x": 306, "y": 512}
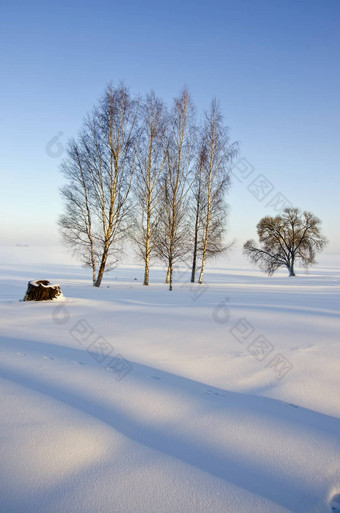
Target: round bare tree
{"x": 285, "y": 239}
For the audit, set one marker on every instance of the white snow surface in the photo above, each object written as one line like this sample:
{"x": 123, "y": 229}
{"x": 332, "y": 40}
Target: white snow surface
{"x": 188, "y": 413}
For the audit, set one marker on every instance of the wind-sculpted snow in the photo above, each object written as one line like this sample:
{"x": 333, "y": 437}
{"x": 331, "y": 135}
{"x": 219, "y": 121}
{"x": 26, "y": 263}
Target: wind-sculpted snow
{"x": 202, "y": 421}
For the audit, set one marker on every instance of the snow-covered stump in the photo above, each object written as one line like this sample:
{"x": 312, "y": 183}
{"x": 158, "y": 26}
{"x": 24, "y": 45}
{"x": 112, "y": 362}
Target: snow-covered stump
{"x": 42, "y": 290}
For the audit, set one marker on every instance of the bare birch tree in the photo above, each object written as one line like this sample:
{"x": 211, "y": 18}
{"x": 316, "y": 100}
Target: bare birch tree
{"x": 172, "y": 233}
{"x": 149, "y": 186}
{"x": 216, "y": 155}
{"x": 99, "y": 170}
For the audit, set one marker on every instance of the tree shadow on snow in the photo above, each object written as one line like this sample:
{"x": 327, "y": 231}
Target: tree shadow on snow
{"x": 218, "y": 460}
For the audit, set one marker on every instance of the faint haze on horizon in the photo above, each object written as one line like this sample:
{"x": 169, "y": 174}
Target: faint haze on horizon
{"x": 274, "y": 66}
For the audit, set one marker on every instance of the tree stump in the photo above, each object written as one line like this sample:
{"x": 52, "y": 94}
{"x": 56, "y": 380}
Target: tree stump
{"x": 42, "y": 290}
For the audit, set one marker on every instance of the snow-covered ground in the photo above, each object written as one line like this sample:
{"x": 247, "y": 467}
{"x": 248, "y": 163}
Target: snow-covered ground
{"x": 127, "y": 399}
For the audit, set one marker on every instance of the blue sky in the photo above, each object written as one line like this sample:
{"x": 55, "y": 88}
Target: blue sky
{"x": 273, "y": 64}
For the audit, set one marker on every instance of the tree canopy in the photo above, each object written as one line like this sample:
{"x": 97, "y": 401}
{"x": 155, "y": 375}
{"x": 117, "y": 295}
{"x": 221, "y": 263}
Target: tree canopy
{"x": 285, "y": 239}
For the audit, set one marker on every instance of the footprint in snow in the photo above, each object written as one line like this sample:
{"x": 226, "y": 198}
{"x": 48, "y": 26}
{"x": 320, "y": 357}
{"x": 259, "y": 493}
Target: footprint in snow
{"x": 335, "y": 502}
{"x": 291, "y": 405}
{"x": 212, "y": 392}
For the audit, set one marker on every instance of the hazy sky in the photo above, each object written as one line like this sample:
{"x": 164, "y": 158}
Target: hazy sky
{"x": 273, "y": 64}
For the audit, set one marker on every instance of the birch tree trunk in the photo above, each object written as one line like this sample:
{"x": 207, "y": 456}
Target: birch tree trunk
{"x": 102, "y": 266}
{"x": 205, "y": 248}
{"x": 149, "y": 186}
{"x": 172, "y": 242}
{"x": 198, "y": 186}
{"x": 147, "y": 261}
{"x": 219, "y": 153}
{"x": 148, "y": 221}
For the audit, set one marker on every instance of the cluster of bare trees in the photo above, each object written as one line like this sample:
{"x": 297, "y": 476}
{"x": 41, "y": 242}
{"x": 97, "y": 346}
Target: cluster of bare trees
{"x": 141, "y": 171}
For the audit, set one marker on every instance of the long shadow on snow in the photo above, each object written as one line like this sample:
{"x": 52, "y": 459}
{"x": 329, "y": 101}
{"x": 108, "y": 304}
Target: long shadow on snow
{"x": 217, "y": 461}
